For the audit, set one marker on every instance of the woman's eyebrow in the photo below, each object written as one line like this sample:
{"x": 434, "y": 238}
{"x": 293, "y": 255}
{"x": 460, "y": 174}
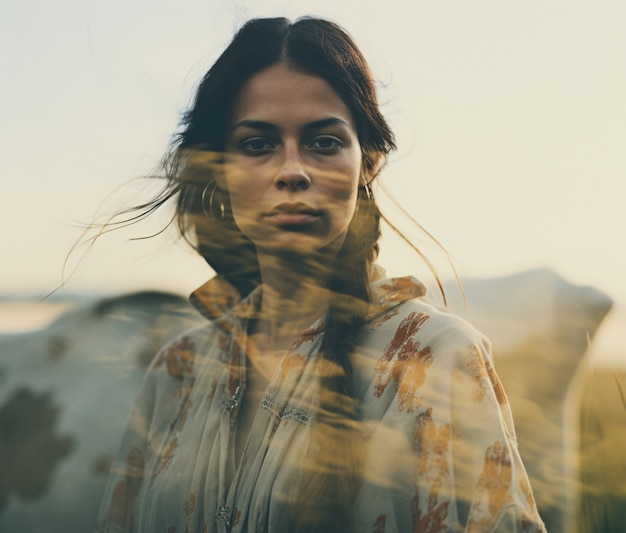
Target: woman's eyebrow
{"x": 324, "y": 122}
{"x": 255, "y": 125}
{"x": 269, "y": 127}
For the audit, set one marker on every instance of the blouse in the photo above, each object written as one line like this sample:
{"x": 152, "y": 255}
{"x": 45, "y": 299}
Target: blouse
{"x": 441, "y": 452}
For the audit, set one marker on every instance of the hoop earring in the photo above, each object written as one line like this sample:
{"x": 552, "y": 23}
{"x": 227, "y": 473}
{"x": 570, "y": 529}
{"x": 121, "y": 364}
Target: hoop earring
{"x": 210, "y": 212}
{"x": 368, "y": 193}
{"x": 370, "y": 201}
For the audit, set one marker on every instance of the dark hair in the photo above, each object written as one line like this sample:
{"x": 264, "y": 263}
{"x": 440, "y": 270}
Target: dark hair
{"x": 313, "y": 45}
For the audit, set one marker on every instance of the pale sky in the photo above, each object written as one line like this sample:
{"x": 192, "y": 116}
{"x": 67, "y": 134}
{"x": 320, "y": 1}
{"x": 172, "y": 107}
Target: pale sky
{"x": 510, "y": 118}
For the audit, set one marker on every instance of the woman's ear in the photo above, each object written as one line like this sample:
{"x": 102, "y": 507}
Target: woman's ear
{"x": 372, "y": 163}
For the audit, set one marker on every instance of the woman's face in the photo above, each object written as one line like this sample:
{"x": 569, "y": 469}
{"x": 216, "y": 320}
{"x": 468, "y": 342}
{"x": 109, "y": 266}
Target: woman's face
{"x": 293, "y": 162}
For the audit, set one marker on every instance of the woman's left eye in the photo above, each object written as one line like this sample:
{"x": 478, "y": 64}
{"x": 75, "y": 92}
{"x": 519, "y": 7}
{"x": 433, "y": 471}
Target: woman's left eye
{"x": 256, "y": 146}
{"x": 326, "y": 144}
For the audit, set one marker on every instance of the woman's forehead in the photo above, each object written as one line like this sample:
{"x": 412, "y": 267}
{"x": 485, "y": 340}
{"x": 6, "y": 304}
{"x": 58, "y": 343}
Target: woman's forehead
{"x": 284, "y": 93}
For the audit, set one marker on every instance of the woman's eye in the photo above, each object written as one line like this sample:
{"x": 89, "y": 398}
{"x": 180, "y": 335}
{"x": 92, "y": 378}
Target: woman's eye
{"x": 326, "y": 144}
{"x": 256, "y": 145}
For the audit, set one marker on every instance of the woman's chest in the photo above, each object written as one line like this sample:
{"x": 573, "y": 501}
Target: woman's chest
{"x": 221, "y": 458}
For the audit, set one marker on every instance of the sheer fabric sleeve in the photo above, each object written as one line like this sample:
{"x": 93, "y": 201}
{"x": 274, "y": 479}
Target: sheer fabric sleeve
{"x": 163, "y": 392}
{"x": 443, "y": 453}
{"x": 492, "y": 489}
{"x": 118, "y": 507}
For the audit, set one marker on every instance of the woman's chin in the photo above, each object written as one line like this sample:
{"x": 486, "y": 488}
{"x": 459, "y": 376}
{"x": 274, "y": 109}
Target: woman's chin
{"x": 301, "y": 246}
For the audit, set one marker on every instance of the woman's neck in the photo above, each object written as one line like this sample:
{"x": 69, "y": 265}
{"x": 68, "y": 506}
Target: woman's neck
{"x": 295, "y": 294}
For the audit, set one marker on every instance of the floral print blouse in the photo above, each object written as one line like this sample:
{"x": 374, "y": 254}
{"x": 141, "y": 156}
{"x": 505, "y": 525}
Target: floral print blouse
{"x": 441, "y": 448}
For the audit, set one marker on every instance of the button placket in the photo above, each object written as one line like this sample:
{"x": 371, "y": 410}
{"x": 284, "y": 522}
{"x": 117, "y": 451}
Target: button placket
{"x": 223, "y": 515}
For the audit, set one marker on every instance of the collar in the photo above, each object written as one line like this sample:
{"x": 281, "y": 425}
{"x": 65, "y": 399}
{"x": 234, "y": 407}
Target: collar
{"x": 217, "y": 298}
{"x": 391, "y": 292}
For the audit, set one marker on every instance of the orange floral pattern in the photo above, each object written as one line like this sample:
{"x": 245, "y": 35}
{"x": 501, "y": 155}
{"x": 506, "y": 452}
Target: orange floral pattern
{"x": 493, "y": 487}
{"x": 405, "y": 362}
{"x": 526, "y": 490}
{"x": 431, "y": 520}
{"x": 483, "y": 373}
{"x": 178, "y": 358}
{"x": 495, "y": 383}
{"x": 398, "y": 289}
{"x": 431, "y": 442}
{"x": 166, "y": 458}
{"x": 188, "y": 507}
{"x": 309, "y": 334}
{"x": 379, "y": 525}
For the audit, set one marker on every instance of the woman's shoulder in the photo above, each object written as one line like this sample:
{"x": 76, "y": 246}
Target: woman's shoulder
{"x": 415, "y": 338}
{"x": 402, "y": 312}
{"x": 417, "y": 345}
{"x": 182, "y": 356}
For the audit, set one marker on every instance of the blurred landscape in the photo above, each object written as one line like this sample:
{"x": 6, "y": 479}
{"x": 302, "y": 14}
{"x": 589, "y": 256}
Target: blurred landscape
{"x": 511, "y": 125}
{"x": 603, "y": 451}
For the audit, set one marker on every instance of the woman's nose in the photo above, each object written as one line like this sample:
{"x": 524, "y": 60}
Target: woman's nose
{"x": 292, "y": 174}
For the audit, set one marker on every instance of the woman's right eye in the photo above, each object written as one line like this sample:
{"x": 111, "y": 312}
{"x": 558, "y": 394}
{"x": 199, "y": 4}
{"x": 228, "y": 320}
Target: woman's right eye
{"x": 256, "y": 145}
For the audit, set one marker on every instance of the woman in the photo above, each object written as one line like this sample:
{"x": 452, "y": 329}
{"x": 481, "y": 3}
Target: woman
{"x": 319, "y": 396}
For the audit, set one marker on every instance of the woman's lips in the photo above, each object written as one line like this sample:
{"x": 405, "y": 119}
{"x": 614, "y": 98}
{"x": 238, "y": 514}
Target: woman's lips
{"x": 293, "y": 219}
{"x": 293, "y": 214}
